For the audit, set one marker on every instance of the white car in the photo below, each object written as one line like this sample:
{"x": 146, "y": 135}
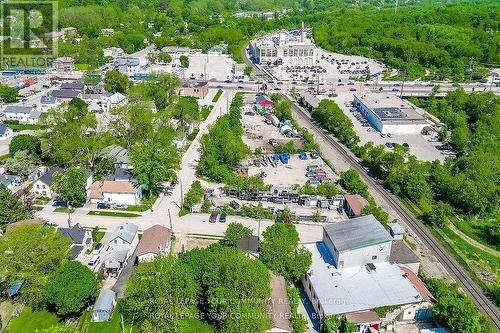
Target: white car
{"x": 94, "y": 261}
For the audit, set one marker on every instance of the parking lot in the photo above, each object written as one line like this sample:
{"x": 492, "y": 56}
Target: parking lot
{"x": 424, "y": 147}
{"x": 201, "y": 66}
{"x": 330, "y": 67}
{"x": 293, "y": 173}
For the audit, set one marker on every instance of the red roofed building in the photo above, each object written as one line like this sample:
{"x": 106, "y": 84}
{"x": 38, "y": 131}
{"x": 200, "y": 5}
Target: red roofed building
{"x": 354, "y": 204}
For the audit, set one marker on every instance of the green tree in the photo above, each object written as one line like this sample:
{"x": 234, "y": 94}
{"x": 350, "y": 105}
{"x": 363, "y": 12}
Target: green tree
{"x": 165, "y": 57}
{"x": 184, "y": 60}
{"x": 247, "y": 71}
{"x": 25, "y": 142}
{"x": 281, "y": 253}
{"x": 154, "y": 162}
{"x": 11, "y": 207}
{"x": 351, "y": 181}
{"x": 235, "y": 232}
{"x": 132, "y": 124}
{"x": 70, "y": 289}
{"x": 70, "y": 186}
{"x": 186, "y": 111}
{"x": 32, "y": 253}
{"x": 22, "y": 164}
{"x": 8, "y": 94}
{"x": 160, "y": 293}
{"x": 114, "y": 81}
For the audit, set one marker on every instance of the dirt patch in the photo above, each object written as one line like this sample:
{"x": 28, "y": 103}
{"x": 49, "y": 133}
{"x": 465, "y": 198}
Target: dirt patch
{"x": 187, "y": 243}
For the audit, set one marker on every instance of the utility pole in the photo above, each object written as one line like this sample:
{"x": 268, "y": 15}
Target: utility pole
{"x": 403, "y": 74}
{"x": 170, "y": 219}
{"x": 472, "y": 67}
{"x": 182, "y": 194}
{"x": 396, "y": 8}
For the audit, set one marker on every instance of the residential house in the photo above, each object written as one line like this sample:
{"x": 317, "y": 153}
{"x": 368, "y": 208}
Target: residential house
{"x": 63, "y": 64}
{"x": 198, "y": 89}
{"x": 123, "y": 175}
{"x": 76, "y": 86}
{"x": 116, "y": 192}
{"x": 81, "y": 239}
{"x": 126, "y": 65}
{"x": 65, "y": 94}
{"x": 279, "y": 307}
{"x": 125, "y": 234}
{"x": 23, "y": 114}
{"x": 351, "y": 273}
{"x": 119, "y": 155}
{"x": 309, "y": 101}
{"x": 42, "y": 186}
{"x": 354, "y": 204}
{"x": 5, "y": 132}
{"x": 114, "y": 101}
{"x": 49, "y": 102}
{"x": 122, "y": 244}
{"x": 155, "y": 241}
{"x": 113, "y": 52}
{"x": 10, "y": 181}
{"x": 104, "y": 306}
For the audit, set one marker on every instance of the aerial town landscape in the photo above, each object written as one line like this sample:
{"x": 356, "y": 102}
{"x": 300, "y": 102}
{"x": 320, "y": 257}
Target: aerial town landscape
{"x": 250, "y": 166}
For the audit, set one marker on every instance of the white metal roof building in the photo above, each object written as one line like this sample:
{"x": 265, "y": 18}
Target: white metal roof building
{"x": 390, "y": 114}
{"x": 104, "y": 305}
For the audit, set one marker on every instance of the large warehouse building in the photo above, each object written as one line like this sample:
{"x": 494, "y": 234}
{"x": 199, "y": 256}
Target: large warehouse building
{"x": 390, "y": 114}
{"x": 289, "y": 48}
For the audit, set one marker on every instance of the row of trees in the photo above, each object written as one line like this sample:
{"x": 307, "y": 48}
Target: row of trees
{"x": 223, "y": 147}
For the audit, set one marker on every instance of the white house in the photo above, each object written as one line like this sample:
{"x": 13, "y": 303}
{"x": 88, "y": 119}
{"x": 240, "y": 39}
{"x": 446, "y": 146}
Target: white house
{"x": 114, "y": 101}
{"x": 122, "y": 244}
{"x": 23, "y": 114}
{"x": 126, "y": 65}
{"x": 49, "y": 102}
{"x": 5, "y": 132}
{"x": 63, "y": 64}
{"x": 155, "y": 241}
{"x": 116, "y": 192}
{"x": 113, "y": 52}
{"x": 43, "y": 185}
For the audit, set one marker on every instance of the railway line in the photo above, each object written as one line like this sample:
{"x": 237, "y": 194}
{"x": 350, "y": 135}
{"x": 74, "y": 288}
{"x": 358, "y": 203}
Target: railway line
{"x": 476, "y": 293}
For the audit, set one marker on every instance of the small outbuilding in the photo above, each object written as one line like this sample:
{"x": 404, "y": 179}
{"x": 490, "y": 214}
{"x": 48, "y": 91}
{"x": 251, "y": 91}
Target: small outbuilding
{"x": 354, "y": 204}
{"x": 104, "y": 306}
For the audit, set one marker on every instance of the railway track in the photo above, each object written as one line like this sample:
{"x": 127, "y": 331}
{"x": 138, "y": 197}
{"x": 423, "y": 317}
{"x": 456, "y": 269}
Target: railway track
{"x": 446, "y": 259}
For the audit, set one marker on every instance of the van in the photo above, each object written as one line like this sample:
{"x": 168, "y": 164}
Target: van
{"x": 94, "y": 261}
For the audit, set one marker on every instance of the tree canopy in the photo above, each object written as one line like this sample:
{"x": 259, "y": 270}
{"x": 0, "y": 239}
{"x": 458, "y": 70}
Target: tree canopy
{"x": 70, "y": 186}
{"x": 70, "y": 289}
{"x": 234, "y": 232}
{"x": 280, "y": 251}
{"x": 32, "y": 253}
{"x": 11, "y": 207}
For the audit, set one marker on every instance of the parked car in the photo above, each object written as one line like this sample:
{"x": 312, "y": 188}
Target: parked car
{"x": 222, "y": 218}
{"x": 406, "y": 145}
{"x": 59, "y": 203}
{"x": 314, "y": 155}
{"x": 94, "y": 260}
{"x": 234, "y": 205}
{"x": 213, "y": 217}
{"x": 103, "y": 205}
{"x": 98, "y": 248}
{"x": 121, "y": 206}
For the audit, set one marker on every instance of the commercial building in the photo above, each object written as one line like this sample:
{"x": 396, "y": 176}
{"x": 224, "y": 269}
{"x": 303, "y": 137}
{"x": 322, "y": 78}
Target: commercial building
{"x": 198, "y": 89}
{"x": 63, "y": 64}
{"x": 388, "y": 113}
{"x": 351, "y": 274}
{"x": 288, "y": 47}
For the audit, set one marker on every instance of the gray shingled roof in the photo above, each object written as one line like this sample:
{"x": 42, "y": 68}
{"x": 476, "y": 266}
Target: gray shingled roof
{"x": 64, "y": 93}
{"x": 105, "y": 300}
{"x": 18, "y": 109}
{"x": 125, "y": 231}
{"x": 357, "y": 233}
{"x": 3, "y": 129}
{"x": 47, "y": 177}
{"x": 76, "y": 233}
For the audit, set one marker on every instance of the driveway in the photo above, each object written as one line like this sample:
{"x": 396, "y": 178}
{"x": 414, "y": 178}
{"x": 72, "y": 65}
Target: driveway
{"x": 121, "y": 281}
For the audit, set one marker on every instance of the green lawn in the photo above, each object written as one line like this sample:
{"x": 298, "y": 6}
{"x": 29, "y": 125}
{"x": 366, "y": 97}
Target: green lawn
{"x": 64, "y": 210}
{"x": 205, "y": 112}
{"x": 97, "y": 236}
{"x": 115, "y": 214}
{"x": 29, "y": 321}
{"x": 217, "y": 96}
{"x": 23, "y": 127}
{"x": 82, "y": 67}
{"x": 146, "y": 205}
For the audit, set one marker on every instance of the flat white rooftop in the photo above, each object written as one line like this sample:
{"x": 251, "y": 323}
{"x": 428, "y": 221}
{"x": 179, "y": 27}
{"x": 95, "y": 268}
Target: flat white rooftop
{"x": 390, "y": 108}
{"x": 356, "y": 289}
